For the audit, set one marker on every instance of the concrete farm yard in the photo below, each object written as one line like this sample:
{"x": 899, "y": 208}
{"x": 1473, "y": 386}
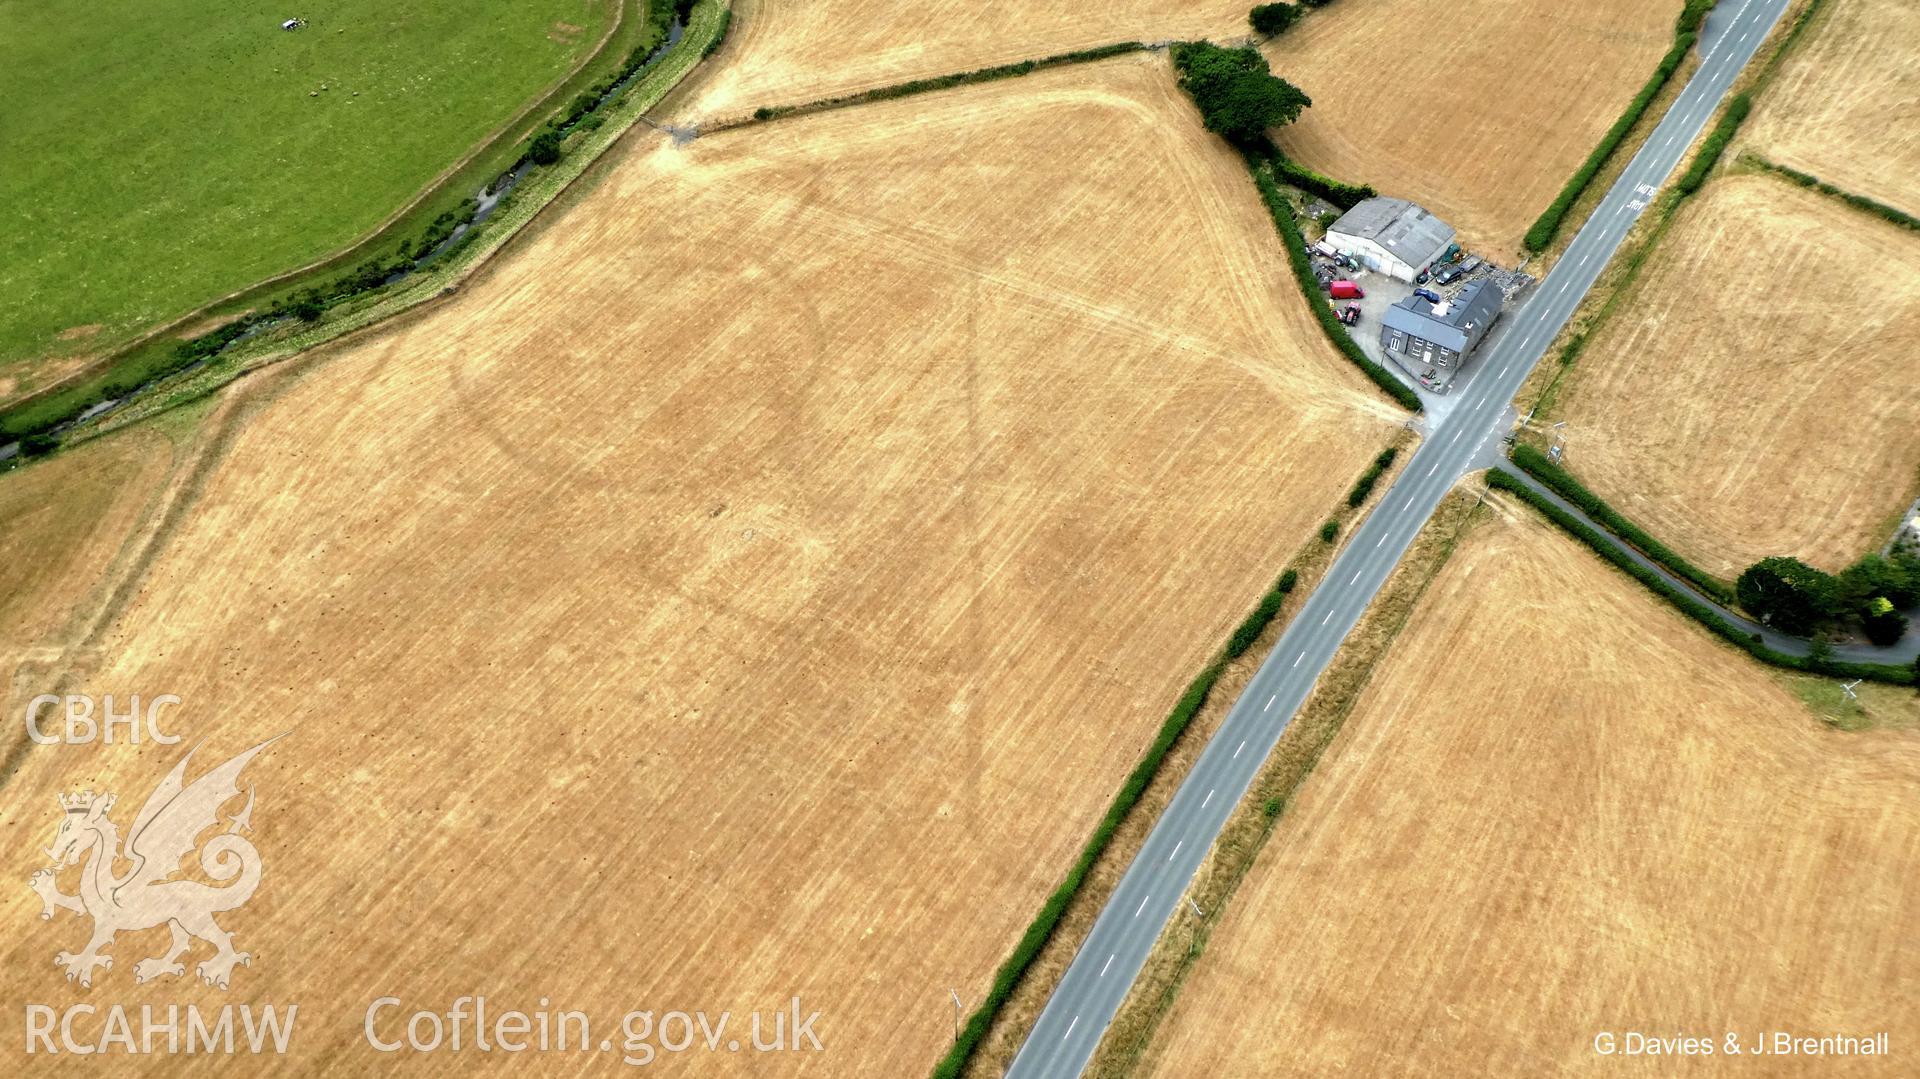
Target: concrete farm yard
{"x": 803, "y": 518}
{"x": 230, "y": 162}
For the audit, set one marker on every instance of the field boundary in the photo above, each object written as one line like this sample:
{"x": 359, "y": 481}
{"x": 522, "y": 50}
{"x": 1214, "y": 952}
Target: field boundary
{"x": 465, "y": 169}
{"x": 1254, "y": 821}
{"x": 1686, "y": 29}
{"x": 1738, "y": 632}
{"x": 1892, "y": 214}
{"x": 1309, "y": 560}
{"x": 1541, "y": 467}
{"x": 929, "y": 84}
{"x": 527, "y": 204}
{"x": 1296, "y": 243}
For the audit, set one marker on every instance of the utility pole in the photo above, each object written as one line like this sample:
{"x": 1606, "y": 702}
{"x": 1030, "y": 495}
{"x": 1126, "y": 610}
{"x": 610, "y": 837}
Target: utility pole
{"x": 956, "y": 1013}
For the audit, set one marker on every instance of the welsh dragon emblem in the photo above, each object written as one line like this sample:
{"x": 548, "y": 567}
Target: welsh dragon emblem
{"x": 166, "y": 830}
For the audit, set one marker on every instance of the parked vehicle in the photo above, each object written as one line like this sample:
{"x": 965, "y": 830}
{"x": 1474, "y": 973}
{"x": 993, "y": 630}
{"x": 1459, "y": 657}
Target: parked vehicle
{"x": 1346, "y": 290}
{"x": 1447, "y": 275}
{"x": 1451, "y": 254}
{"x": 1422, "y": 278}
{"x": 1471, "y": 264}
{"x": 1427, "y": 294}
{"x": 1351, "y": 314}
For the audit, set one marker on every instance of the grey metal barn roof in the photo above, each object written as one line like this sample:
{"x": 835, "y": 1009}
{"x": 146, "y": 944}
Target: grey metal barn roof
{"x": 1411, "y": 233}
{"x": 1474, "y": 309}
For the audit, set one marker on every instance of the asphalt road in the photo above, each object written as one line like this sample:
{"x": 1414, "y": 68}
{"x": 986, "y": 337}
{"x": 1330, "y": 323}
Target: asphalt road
{"x": 1154, "y": 886}
{"x": 1902, "y": 651}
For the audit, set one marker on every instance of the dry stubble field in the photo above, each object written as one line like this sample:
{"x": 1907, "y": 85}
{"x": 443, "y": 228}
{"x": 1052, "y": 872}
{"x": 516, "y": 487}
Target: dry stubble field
{"x": 758, "y": 583}
{"x": 1478, "y": 110}
{"x": 1747, "y": 398}
{"x": 1846, "y": 105}
{"x": 788, "y": 52}
{"x": 61, "y": 523}
{"x": 1548, "y": 819}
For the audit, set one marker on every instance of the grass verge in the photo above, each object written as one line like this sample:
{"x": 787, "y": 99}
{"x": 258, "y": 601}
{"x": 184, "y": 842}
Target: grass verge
{"x": 1307, "y": 737}
{"x": 1021, "y": 986}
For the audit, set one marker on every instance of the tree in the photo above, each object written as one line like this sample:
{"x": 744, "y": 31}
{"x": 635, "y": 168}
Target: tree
{"x": 1272, "y": 19}
{"x": 1238, "y": 96}
{"x": 545, "y": 147}
{"x": 1883, "y": 624}
{"x": 306, "y": 309}
{"x": 1875, "y": 577}
{"x": 1787, "y": 594}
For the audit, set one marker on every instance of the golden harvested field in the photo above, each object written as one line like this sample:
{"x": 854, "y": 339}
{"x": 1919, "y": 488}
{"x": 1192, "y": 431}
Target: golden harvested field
{"x": 1478, "y": 110}
{"x": 1846, "y": 105}
{"x": 61, "y": 522}
{"x": 757, "y": 584}
{"x": 1549, "y": 819}
{"x": 1748, "y": 398}
{"x": 789, "y": 52}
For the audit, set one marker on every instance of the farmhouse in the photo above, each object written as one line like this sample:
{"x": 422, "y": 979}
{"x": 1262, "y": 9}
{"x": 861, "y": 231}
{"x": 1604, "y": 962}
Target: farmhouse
{"x": 1432, "y": 340}
{"x": 1390, "y": 236}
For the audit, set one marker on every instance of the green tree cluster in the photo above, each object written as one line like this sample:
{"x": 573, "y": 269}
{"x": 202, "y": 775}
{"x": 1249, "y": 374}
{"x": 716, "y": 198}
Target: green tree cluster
{"x": 1272, "y": 19}
{"x": 1239, "y": 97}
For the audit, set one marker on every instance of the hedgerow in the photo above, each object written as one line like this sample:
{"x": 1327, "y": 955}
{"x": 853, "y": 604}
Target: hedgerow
{"x": 1715, "y": 144}
{"x": 1041, "y": 929}
{"x": 1859, "y": 202}
{"x": 1364, "y": 485}
{"x": 1548, "y": 224}
{"x": 1296, "y": 245}
{"x": 1814, "y": 662}
{"x": 1343, "y": 195}
{"x": 1542, "y": 468}
{"x": 945, "y": 82}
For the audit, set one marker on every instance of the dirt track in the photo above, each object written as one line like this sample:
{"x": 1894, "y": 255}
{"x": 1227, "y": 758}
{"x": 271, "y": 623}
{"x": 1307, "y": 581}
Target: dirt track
{"x": 757, "y": 584}
{"x": 1547, "y": 819}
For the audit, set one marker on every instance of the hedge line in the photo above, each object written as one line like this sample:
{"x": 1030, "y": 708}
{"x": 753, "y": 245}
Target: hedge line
{"x": 1688, "y": 604}
{"x": 1364, "y": 485}
{"x": 1008, "y": 976}
{"x": 1296, "y": 245}
{"x": 1858, "y": 202}
{"x": 1548, "y": 224}
{"x": 1542, "y": 468}
{"x": 944, "y": 82}
{"x": 1716, "y": 144}
{"x": 1345, "y": 196}
{"x": 1692, "y": 15}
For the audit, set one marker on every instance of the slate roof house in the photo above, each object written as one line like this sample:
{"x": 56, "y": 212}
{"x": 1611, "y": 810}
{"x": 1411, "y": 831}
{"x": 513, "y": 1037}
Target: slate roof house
{"x": 1433, "y": 340}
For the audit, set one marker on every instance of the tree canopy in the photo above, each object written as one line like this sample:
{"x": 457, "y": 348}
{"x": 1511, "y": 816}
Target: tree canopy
{"x": 1788, "y": 594}
{"x": 1239, "y": 96}
{"x": 1271, "y": 19}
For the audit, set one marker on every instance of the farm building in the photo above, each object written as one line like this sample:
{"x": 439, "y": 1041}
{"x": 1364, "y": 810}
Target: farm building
{"x": 1390, "y": 236}
{"x": 1432, "y": 340}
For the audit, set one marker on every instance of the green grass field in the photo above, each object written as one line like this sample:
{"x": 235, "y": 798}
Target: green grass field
{"x": 161, "y": 155}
